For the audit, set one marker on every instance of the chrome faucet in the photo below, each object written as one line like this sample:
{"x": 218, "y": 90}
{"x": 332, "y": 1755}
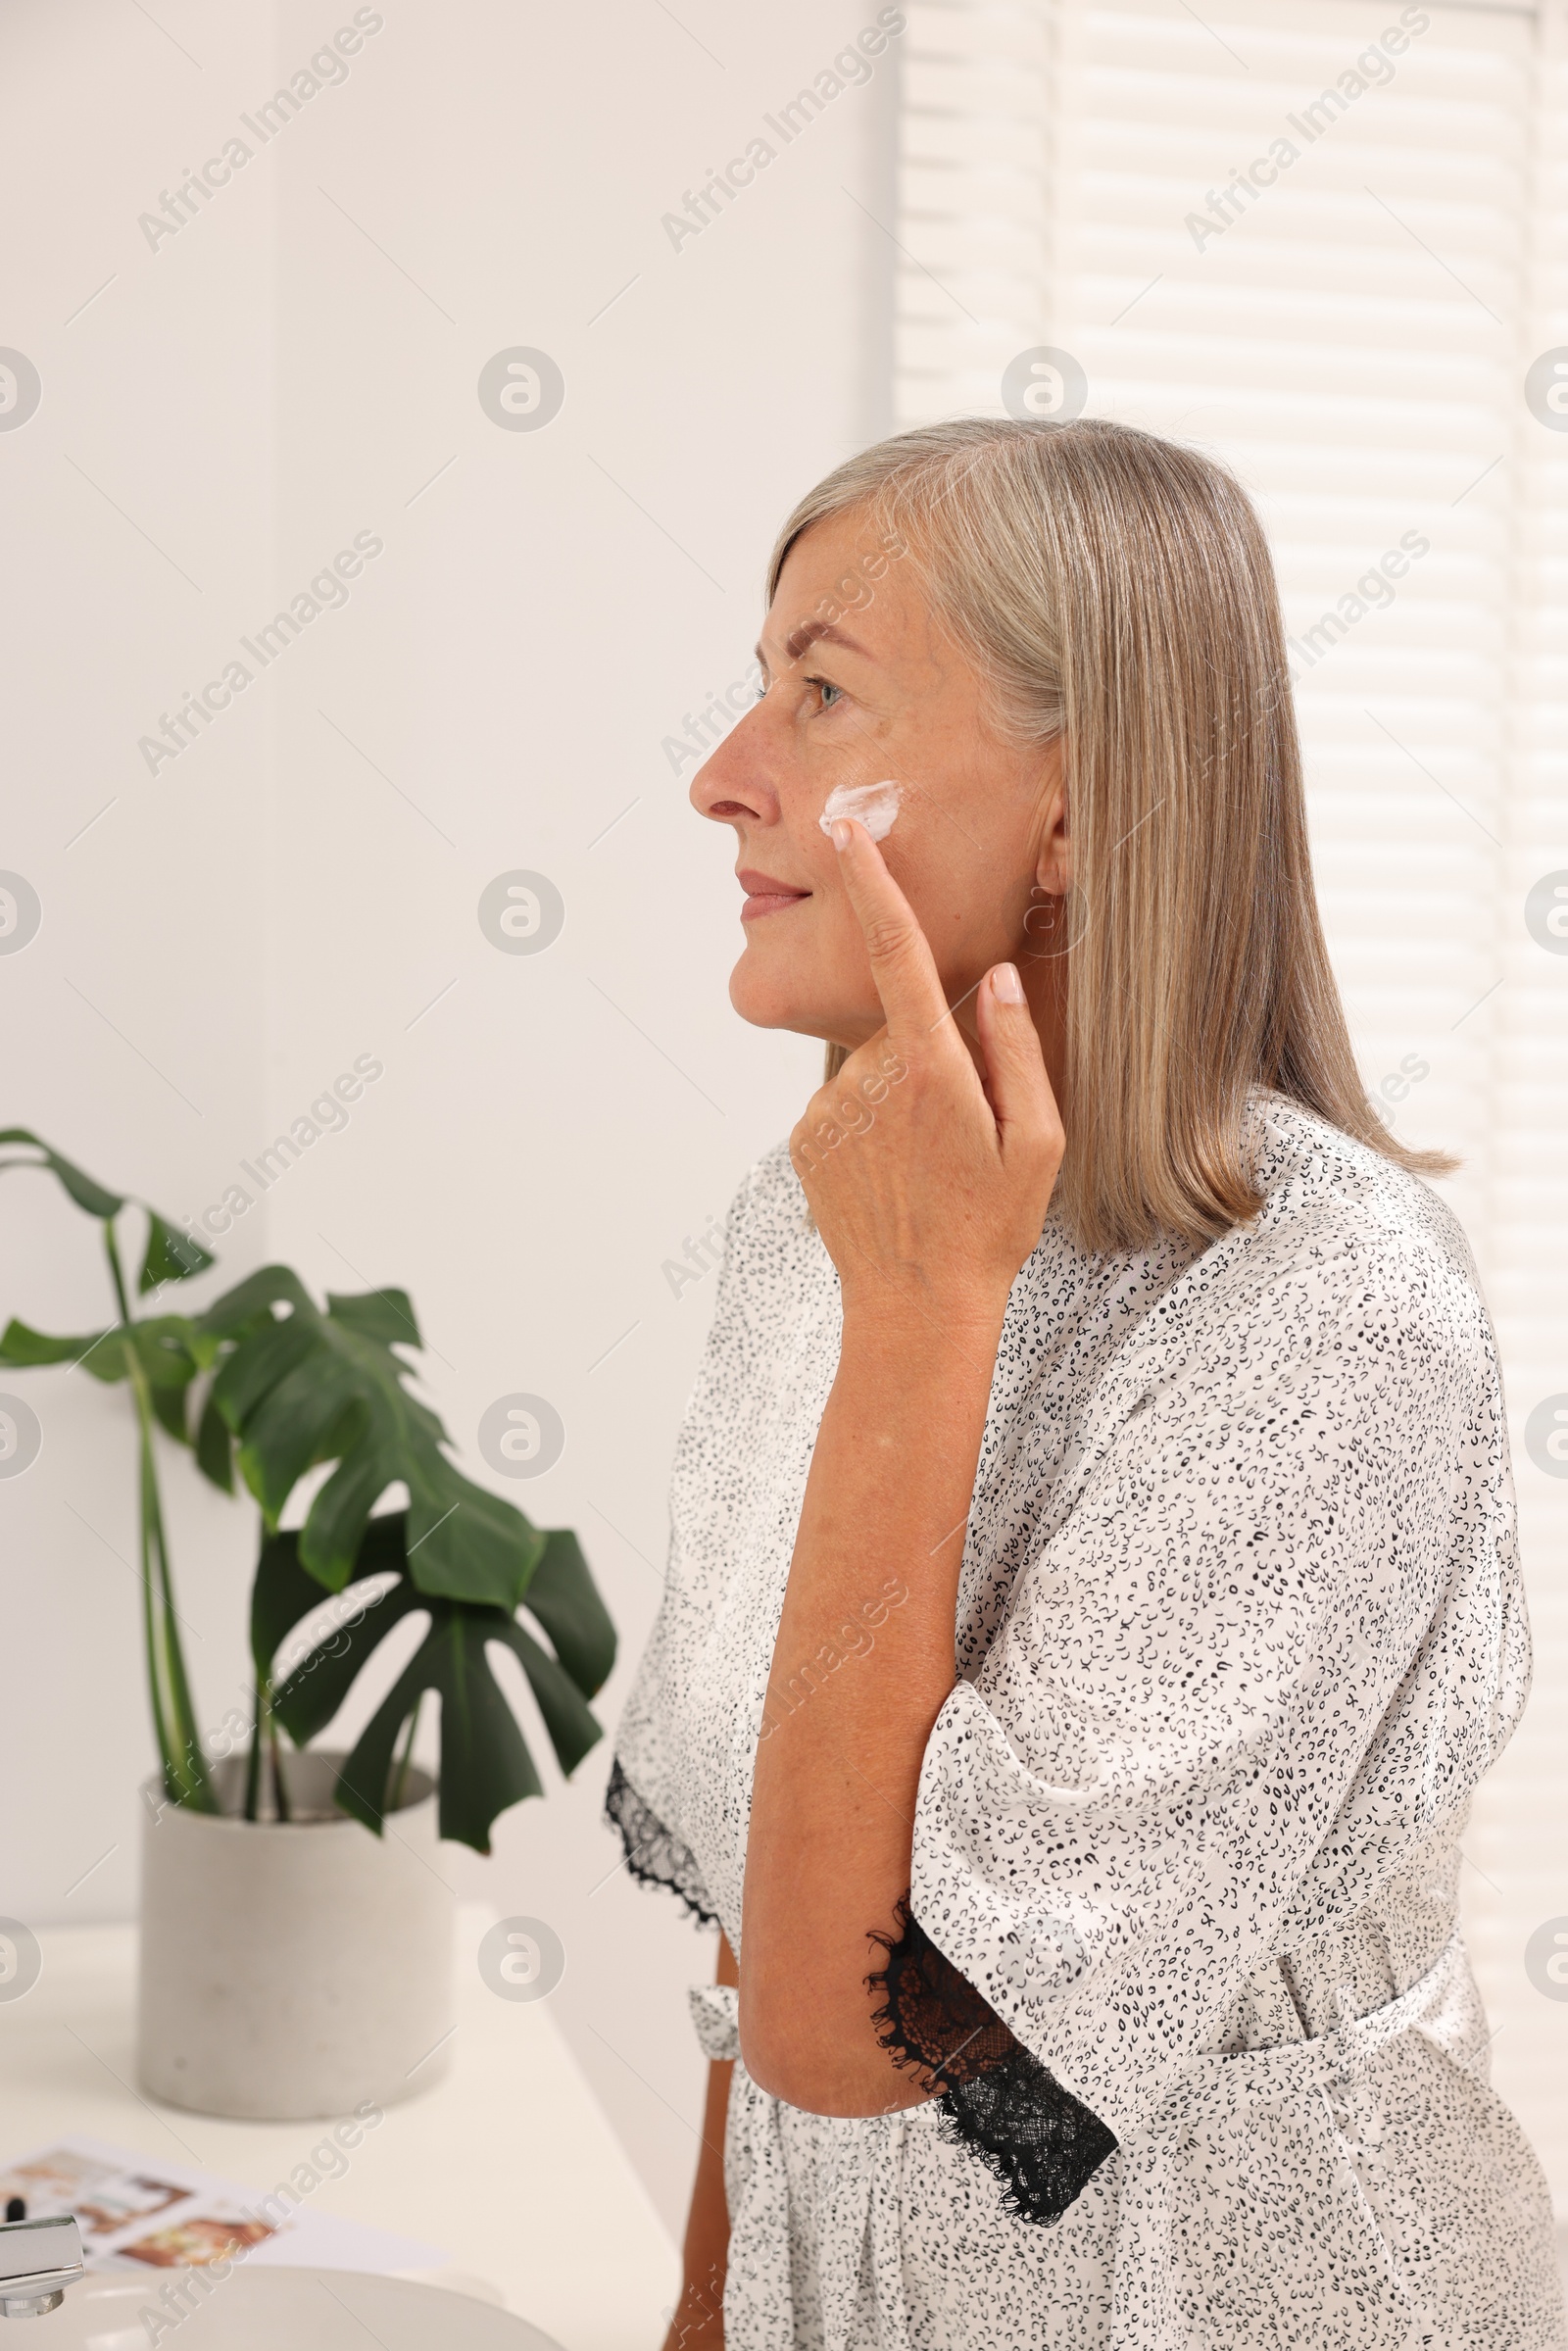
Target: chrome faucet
{"x": 38, "y": 2260}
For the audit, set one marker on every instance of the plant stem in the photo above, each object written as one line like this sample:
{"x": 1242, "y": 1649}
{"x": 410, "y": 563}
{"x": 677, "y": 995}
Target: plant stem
{"x": 280, "y": 1802}
{"x": 399, "y": 1775}
{"x": 150, "y": 1634}
{"x": 253, "y": 1761}
{"x": 187, "y": 1780}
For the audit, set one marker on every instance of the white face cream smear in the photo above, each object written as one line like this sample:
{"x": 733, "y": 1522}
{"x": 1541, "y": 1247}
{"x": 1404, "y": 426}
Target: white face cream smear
{"x": 875, "y": 805}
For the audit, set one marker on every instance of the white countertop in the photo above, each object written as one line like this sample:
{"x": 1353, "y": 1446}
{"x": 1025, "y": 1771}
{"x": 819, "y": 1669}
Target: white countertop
{"x": 508, "y": 2163}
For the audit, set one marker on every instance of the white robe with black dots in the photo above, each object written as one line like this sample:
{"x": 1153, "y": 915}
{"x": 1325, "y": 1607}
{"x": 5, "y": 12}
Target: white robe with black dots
{"x": 1239, "y": 1629}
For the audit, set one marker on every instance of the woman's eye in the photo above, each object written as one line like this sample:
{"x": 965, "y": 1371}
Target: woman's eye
{"x": 829, "y": 692}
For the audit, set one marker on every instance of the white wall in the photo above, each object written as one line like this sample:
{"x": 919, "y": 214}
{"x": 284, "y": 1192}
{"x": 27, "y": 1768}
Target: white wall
{"x": 301, "y": 886}
{"x": 139, "y": 515}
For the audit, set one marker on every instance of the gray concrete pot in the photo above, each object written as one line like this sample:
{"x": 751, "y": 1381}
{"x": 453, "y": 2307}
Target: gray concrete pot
{"x": 291, "y": 1970}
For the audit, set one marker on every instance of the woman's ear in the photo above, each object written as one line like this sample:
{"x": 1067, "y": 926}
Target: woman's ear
{"x": 1053, "y": 856}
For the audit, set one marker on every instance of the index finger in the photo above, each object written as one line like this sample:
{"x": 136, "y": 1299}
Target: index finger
{"x": 902, "y": 966}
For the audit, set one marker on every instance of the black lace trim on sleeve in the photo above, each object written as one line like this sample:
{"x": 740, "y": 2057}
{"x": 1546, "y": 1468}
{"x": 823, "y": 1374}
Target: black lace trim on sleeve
{"x": 995, "y": 2097}
{"x": 653, "y": 1856}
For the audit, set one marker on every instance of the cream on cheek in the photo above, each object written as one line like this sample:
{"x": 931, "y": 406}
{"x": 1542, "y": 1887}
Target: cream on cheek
{"x": 875, "y": 805}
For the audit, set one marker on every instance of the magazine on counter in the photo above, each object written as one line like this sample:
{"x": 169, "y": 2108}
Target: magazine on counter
{"x": 139, "y": 2209}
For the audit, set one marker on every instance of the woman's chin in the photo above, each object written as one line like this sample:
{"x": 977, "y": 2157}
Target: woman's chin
{"x": 760, "y": 997}
{"x": 774, "y": 1000}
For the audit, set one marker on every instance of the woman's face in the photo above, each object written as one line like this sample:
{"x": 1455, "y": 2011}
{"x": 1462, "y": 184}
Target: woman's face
{"x": 862, "y": 686}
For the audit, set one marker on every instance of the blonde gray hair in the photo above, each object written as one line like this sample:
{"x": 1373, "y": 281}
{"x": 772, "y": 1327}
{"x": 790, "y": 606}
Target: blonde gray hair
{"x": 1117, "y": 591}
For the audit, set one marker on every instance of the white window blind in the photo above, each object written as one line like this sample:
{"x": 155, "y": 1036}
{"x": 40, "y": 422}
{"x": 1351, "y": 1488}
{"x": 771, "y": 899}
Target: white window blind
{"x": 1349, "y": 325}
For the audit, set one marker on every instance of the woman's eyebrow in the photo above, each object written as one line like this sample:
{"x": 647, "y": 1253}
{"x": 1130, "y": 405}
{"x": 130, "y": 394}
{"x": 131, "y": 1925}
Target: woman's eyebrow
{"x": 812, "y": 632}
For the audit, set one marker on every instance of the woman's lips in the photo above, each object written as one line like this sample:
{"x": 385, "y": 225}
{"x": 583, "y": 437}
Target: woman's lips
{"x": 764, "y": 895}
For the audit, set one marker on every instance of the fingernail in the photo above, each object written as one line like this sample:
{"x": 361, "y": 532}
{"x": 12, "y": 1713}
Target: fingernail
{"x": 841, "y": 832}
{"x": 1005, "y": 985}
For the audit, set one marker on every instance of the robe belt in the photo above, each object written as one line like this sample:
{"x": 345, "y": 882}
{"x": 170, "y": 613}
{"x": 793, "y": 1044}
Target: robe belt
{"x": 1238, "y": 2080}
{"x": 717, "y": 2015}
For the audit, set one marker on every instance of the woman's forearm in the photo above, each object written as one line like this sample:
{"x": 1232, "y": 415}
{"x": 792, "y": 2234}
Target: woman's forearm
{"x": 849, "y": 1709}
{"x": 929, "y": 1171}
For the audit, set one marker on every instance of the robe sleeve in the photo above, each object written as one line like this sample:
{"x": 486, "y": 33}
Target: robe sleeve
{"x": 649, "y": 1797}
{"x": 1270, "y": 1634}
{"x": 654, "y": 1855}
{"x": 994, "y": 2097}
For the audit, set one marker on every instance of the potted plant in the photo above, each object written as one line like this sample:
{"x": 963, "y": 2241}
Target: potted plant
{"x": 296, "y": 1943}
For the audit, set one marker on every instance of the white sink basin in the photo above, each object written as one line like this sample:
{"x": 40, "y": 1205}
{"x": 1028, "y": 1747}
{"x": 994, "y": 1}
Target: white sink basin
{"x": 273, "y": 2310}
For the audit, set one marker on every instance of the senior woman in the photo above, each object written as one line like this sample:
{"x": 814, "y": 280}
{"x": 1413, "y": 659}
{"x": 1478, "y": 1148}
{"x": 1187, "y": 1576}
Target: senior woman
{"x": 1092, "y": 1597}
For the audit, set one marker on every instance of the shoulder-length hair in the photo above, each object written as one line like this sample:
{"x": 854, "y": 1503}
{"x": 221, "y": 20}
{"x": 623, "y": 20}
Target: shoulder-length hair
{"x": 1117, "y": 591}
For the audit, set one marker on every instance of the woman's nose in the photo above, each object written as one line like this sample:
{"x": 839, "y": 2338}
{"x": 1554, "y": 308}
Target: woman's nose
{"x": 735, "y": 781}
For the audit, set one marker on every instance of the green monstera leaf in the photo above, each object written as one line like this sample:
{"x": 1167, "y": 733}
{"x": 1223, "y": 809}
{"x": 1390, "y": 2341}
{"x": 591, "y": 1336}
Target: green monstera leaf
{"x": 485, "y": 1765}
{"x": 297, "y": 1386}
{"x": 165, "y": 1346}
{"x": 168, "y": 1256}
